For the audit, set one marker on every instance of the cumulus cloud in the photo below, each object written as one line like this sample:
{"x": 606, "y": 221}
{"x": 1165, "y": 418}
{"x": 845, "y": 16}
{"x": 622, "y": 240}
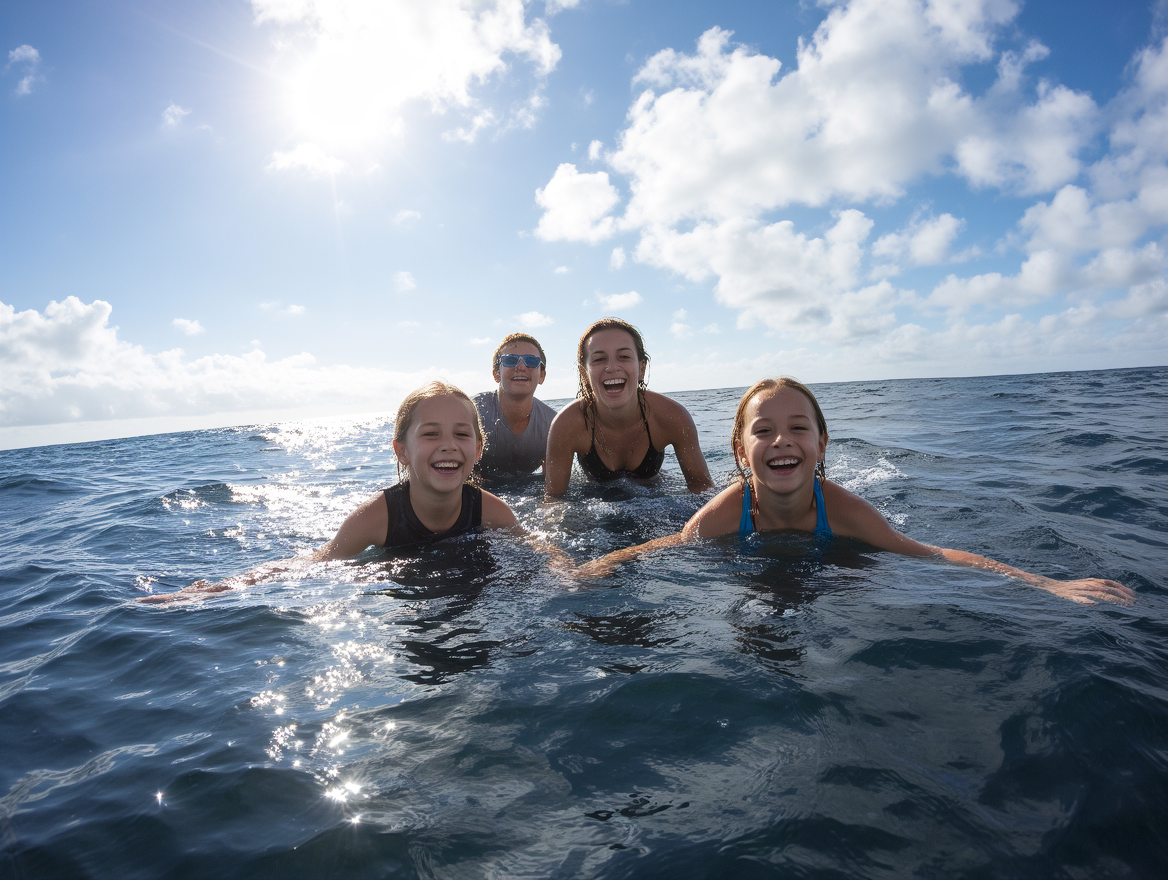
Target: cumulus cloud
{"x": 722, "y": 144}
{"x": 534, "y": 320}
{"x": 190, "y": 328}
{"x": 404, "y": 281}
{"x": 616, "y": 259}
{"x": 25, "y": 59}
{"x": 616, "y": 302}
{"x": 68, "y": 364}
{"x": 575, "y": 206}
{"x": 406, "y": 217}
{"x": 351, "y": 65}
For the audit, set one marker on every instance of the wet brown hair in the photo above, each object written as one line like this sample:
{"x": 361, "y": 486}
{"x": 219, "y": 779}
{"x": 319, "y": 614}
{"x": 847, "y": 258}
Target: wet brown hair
{"x": 584, "y": 392}
{"x": 511, "y": 340}
{"x": 736, "y": 444}
{"x": 405, "y": 416}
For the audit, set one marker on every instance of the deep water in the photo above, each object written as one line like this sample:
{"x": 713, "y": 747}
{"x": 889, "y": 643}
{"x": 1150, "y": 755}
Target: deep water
{"x": 710, "y": 711}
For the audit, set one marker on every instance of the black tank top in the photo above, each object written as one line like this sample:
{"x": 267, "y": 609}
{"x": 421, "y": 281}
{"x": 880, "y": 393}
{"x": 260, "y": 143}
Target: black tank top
{"x": 405, "y": 528}
{"x": 649, "y": 467}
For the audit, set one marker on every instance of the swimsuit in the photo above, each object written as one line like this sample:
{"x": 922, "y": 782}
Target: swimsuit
{"x": 599, "y": 471}
{"x": 823, "y": 531}
{"x": 506, "y": 453}
{"x": 405, "y": 528}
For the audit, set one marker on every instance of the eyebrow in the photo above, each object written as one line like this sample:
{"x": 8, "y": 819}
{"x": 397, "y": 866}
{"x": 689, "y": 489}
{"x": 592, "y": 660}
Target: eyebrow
{"x": 440, "y": 424}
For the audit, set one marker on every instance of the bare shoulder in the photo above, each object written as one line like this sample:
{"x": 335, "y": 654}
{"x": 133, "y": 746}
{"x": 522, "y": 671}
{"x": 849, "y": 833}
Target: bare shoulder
{"x": 851, "y": 516}
{"x": 569, "y": 421}
{"x": 718, "y": 516}
{"x": 668, "y": 417}
{"x": 497, "y": 514}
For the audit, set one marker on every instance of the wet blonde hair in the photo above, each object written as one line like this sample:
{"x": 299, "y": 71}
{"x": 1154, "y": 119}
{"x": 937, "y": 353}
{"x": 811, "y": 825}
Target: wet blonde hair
{"x": 736, "y": 444}
{"x": 405, "y": 417}
{"x": 585, "y": 392}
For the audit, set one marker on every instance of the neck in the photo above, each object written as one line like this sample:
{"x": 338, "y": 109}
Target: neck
{"x": 777, "y": 511}
{"x": 438, "y": 511}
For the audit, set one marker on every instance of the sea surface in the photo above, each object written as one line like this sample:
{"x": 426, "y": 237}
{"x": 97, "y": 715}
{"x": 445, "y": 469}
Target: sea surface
{"x": 712, "y": 711}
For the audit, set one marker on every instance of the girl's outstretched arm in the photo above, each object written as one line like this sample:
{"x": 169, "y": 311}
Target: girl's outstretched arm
{"x": 363, "y": 528}
{"x": 854, "y": 517}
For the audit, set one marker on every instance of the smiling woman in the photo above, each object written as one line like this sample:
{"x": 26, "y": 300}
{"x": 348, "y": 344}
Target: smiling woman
{"x": 617, "y": 427}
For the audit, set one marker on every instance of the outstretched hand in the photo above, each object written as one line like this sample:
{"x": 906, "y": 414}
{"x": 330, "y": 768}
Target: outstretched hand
{"x": 1088, "y": 591}
{"x": 195, "y": 590}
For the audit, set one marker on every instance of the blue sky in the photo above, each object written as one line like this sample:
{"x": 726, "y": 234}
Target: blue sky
{"x": 229, "y": 212}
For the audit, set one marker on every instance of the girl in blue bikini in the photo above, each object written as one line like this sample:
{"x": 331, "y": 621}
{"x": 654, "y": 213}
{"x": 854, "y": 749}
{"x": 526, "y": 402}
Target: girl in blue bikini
{"x": 779, "y": 440}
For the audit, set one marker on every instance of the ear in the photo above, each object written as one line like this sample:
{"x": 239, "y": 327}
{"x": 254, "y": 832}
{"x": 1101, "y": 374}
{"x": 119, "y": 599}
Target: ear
{"x": 822, "y": 445}
{"x": 644, "y": 366}
{"x": 542, "y": 375}
{"x": 399, "y": 449}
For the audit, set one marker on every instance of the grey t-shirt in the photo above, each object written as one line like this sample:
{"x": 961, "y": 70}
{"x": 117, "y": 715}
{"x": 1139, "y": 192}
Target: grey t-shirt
{"x": 508, "y": 454}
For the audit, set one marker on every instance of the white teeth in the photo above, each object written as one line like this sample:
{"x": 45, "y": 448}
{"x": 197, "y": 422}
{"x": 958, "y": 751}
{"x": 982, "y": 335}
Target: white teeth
{"x": 783, "y": 462}
{"x": 614, "y": 381}
{"x": 446, "y": 464}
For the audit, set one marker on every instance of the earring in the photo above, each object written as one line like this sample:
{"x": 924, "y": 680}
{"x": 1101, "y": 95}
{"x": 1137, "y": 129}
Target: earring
{"x": 821, "y": 470}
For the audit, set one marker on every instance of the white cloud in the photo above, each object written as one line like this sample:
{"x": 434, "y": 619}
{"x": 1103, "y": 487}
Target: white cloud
{"x": 617, "y": 259}
{"x": 29, "y": 59}
{"x": 678, "y": 326}
{"x": 190, "y": 328}
{"x": 562, "y": 270}
{"x": 770, "y": 273}
{"x": 595, "y": 149}
{"x": 403, "y": 281}
{"x": 575, "y": 206}
{"x": 67, "y": 364}
{"x": 481, "y": 340}
{"x": 532, "y": 320}
{"x": 616, "y": 302}
{"x": 309, "y": 158}
{"x": 406, "y": 217}
{"x": 351, "y": 65}
{"x": 173, "y": 115}
{"x": 923, "y": 242}
{"x": 720, "y": 142}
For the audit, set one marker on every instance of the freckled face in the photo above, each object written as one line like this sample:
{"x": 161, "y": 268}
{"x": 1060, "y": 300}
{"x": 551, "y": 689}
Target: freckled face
{"x": 520, "y": 380}
{"x": 781, "y": 442}
{"x": 610, "y": 359}
{"x": 441, "y": 445}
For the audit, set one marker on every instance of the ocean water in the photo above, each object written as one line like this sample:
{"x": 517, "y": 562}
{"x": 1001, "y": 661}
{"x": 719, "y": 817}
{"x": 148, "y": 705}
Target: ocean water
{"x": 711, "y": 711}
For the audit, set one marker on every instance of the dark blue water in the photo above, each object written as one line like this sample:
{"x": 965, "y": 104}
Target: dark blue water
{"x": 706, "y": 712}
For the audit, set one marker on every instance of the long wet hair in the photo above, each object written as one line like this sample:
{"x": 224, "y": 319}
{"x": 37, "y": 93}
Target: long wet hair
{"x": 736, "y": 444}
{"x": 405, "y": 417}
{"x": 585, "y": 392}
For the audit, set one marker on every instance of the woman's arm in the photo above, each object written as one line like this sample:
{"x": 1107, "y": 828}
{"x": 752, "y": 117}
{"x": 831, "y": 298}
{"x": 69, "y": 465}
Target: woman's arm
{"x": 681, "y": 433}
{"x": 563, "y": 437}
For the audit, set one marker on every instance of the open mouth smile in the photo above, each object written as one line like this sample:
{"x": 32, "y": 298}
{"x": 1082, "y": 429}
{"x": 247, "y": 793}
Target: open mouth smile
{"x": 615, "y": 384}
{"x": 783, "y": 465}
{"x": 446, "y": 467}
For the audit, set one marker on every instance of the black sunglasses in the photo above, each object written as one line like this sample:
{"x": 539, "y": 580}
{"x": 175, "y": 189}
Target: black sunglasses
{"x": 512, "y": 360}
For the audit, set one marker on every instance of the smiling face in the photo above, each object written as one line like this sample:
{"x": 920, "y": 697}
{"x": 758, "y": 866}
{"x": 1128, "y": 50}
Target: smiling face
{"x": 780, "y": 441}
{"x": 610, "y": 360}
{"x": 441, "y": 445}
{"x": 520, "y": 380}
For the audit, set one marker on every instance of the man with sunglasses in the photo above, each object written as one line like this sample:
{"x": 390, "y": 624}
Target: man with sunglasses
{"x": 515, "y": 423}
